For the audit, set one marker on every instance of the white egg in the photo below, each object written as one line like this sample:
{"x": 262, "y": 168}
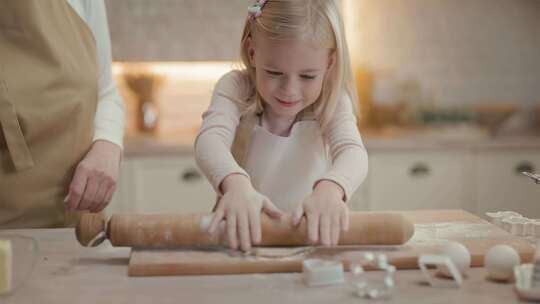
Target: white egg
{"x": 459, "y": 254}
{"x": 500, "y": 261}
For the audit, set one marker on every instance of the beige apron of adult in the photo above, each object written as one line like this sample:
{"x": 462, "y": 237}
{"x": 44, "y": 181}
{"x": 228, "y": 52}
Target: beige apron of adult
{"x": 48, "y": 99}
{"x": 282, "y": 168}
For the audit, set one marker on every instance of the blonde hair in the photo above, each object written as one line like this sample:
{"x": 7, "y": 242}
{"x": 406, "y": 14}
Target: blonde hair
{"x": 313, "y": 21}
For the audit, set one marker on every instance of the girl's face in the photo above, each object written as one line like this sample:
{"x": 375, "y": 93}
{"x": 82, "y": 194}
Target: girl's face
{"x": 289, "y": 73}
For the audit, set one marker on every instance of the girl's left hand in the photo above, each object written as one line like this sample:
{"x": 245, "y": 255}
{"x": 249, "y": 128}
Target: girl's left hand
{"x": 327, "y": 215}
{"x": 94, "y": 181}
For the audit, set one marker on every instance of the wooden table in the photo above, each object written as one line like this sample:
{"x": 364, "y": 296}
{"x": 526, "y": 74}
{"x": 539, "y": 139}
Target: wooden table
{"x": 68, "y": 273}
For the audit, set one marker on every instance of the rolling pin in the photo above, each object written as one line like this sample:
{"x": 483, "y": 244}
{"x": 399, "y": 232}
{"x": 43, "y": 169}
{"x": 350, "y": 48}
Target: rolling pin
{"x": 189, "y": 230}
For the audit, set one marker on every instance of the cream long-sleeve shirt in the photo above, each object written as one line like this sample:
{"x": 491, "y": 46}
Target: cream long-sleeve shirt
{"x": 109, "y": 121}
{"x": 213, "y": 144}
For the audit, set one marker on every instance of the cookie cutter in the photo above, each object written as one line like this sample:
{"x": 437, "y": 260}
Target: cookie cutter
{"x": 497, "y": 217}
{"x": 532, "y": 228}
{"x": 426, "y": 260}
{"x": 374, "y": 289}
{"x": 515, "y": 223}
{"x": 318, "y": 272}
{"x": 533, "y": 176}
{"x": 525, "y": 286}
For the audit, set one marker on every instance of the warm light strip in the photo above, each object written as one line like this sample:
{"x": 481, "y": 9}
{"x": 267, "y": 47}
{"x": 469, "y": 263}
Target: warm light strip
{"x": 348, "y": 8}
{"x": 203, "y": 70}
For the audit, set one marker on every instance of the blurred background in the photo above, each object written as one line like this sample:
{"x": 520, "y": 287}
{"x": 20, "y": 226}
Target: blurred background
{"x": 449, "y": 100}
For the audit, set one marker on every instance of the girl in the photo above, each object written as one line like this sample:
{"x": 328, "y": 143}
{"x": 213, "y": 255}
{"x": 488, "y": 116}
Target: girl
{"x": 280, "y": 134}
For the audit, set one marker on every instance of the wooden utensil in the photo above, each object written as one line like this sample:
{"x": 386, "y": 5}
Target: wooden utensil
{"x": 189, "y": 230}
{"x": 433, "y": 229}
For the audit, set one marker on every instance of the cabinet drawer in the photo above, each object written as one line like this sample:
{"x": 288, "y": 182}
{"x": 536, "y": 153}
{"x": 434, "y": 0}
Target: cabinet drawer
{"x": 501, "y": 186}
{"x": 170, "y": 185}
{"x": 419, "y": 180}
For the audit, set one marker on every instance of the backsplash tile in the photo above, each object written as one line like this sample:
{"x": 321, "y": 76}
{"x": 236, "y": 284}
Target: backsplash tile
{"x": 176, "y": 30}
{"x": 459, "y": 52}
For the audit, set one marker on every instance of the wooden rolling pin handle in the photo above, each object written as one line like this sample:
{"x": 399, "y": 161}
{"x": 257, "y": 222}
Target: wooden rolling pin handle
{"x": 89, "y": 227}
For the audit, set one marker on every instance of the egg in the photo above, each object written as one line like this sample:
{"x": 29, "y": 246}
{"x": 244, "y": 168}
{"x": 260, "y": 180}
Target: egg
{"x": 500, "y": 261}
{"x": 460, "y": 256}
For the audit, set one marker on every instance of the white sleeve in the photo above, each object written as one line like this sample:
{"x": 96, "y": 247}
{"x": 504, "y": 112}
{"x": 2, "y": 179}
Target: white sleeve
{"x": 109, "y": 121}
{"x": 349, "y": 156}
{"x": 213, "y": 143}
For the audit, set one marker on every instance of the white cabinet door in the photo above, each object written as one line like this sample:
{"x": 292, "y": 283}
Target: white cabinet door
{"x": 169, "y": 185}
{"x": 122, "y": 201}
{"x": 501, "y": 186}
{"x": 410, "y": 180}
{"x": 360, "y": 199}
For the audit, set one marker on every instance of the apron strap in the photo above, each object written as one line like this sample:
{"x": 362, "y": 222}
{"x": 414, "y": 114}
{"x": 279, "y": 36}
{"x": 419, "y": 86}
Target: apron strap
{"x": 242, "y": 139}
{"x": 15, "y": 141}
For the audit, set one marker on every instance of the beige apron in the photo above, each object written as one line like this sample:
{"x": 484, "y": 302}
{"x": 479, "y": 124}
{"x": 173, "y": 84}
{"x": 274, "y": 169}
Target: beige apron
{"x": 48, "y": 99}
{"x": 282, "y": 168}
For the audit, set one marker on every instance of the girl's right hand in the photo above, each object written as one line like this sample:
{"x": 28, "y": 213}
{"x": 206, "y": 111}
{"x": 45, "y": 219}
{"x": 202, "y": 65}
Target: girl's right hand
{"x": 240, "y": 207}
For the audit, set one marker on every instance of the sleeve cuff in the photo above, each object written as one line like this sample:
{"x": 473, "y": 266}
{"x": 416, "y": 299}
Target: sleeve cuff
{"x": 110, "y": 133}
{"x": 340, "y": 181}
{"x": 218, "y": 179}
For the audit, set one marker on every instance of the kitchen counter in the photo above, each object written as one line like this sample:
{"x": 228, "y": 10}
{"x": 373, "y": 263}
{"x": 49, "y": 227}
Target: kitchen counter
{"x": 389, "y": 140}
{"x": 69, "y": 273}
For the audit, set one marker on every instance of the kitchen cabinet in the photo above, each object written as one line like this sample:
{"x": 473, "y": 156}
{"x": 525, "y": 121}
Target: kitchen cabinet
{"x": 150, "y": 184}
{"x": 475, "y": 180}
{"x": 403, "y": 180}
{"x": 359, "y": 201}
{"x": 170, "y": 184}
{"x": 121, "y": 201}
{"x": 501, "y": 186}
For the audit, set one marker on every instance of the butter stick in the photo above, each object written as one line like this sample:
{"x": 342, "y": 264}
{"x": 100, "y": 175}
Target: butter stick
{"x": 6, "y": 266}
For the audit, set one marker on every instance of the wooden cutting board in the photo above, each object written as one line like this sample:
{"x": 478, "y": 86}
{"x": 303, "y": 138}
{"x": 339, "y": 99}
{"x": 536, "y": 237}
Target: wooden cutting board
{"x": 433, "y": 228}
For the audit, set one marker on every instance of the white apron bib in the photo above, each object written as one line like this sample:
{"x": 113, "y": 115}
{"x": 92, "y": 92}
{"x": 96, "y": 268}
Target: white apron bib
{"x": 283, "y": 168}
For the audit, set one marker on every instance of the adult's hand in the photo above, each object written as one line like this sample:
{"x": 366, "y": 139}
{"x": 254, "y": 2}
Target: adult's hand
{"x": 94, "y": 181}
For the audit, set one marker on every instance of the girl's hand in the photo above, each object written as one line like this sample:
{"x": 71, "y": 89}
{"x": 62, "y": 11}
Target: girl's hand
{"x": 241, "y": 207}
{"x": 94, "y": 181}
{"x": 327, "y": 215}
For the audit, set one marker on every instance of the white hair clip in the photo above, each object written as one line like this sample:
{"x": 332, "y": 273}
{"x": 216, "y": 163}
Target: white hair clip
{"x": 255, "y": 10}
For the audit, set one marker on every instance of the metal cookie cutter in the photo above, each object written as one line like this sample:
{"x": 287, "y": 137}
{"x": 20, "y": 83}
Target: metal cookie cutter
{"x": 319, "y": 272}
{"x": 515, "y": 223}
{"x": 534, "y": 177}
{"x": 375, "y": 289}
{"x": 440, "y": 261}
{"x": 525, "y": 286}
{"x": 496, "y": 218}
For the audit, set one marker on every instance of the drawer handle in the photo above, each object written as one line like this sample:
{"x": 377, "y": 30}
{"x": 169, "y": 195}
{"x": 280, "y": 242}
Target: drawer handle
{"x": 525, "y": 166}
{"x": 420, "y": 170}
{"x": 190, "y": 175}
